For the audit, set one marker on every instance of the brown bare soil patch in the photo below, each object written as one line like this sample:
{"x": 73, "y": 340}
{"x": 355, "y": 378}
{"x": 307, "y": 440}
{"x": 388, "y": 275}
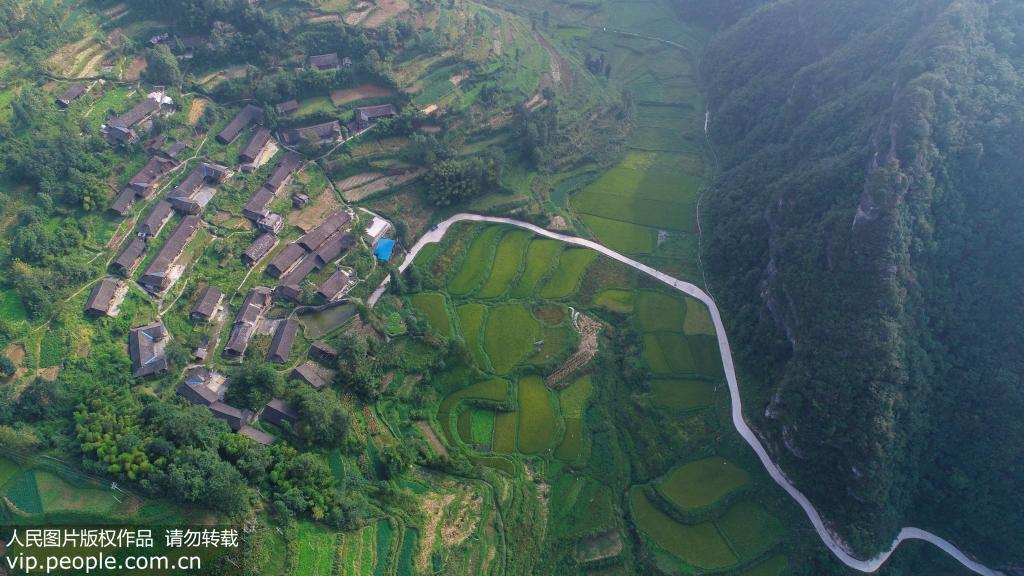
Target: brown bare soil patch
{"x": 358, "y": 180}
{"x": 323, "y": 18}
{"x": 386, "y": 10}
{"x": 380, "y": 185}
{"x": 313, "y": 214}
{"x": 134, "y": 70}
{"x": 50, "y": 373}
{"x": 431, "y": 437}
{"x": 588, "y": 329}
{"x": 408, "y": 206}
{"x": 346, "y": 95}
{"x": 196, "y": 110}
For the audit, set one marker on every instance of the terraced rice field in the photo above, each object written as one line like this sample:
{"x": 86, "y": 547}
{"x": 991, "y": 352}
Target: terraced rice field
{"x": 536, "y": 415}
{"x": 508, "y": 260}
{"x": 316, "y": 550}
{"x": 504, "y": 433}
{"x": 509, "y": 335}
{"x": 433, "y": 306}
{"x": 573, "y": 402}
{"x": 682, "y": 394}
{"x": 621, "y": 301}
{"x": 496, "y": 390}
{"x": 699, "y": 545}
{"x": 23, "y": 493}
{"x": 471, "y": 320}
{"x": 540, "y": 257}
{"x": 482, "y": 426}
{"x": 701, "y": 483}
{"x": 476, "y": 263}
{"x": 698, "y": 319}
{"x": 660, "y": 312}
{"x": 750, "y": 530}
{"x": 359, "y": 555}
{"x": 566, "y": 277}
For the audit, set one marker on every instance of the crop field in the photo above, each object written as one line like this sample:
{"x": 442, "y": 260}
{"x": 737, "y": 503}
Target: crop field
{"x": 509, "y": 335}
{"x": 409, "y": 539}
{"x": 583, "y": 505}
{"x": 51, "y": 349}
{"x": 316, "y": 550}
{"x": 504, "y": 432}
{"x": 11, "y": 309}
{"x": 573, "y": 402}
{"x": 496, "y": 390}
{"x": 433, "y": 306}
{"x": 556, "y": 339}
{"x": 701, "y": 483}
{"x": 682, "y": 394}
{"x": 359, "y": 551}
{"x": 660, "y": 312}
{"x": 699, "y": 545}
{"x": 698, "y": 319}
{"x": 750, "y": 530}
{"x": 361, "y": 92}
{"x": 385, "y": 534}
{"x": 482, "y": 426}
{"x": 507, "y": 261}
{"x": 57, "y": 495}
{"x": 773, "y": 566}
{"x": 8, "y": 470}
{"x": 566, "y": 278}
{"x": 536, "y": 415}
{"x": 615, "y": 300}
{"x": 476, "y": 263}
{"x": 471, "y": 320}
{"x": 540, "y": 257}
{"x": 23, "y": 493}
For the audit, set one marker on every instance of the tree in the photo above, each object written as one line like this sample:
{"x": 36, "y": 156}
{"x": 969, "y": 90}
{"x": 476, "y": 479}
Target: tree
{"x": 255, "y": 386}
{"x": 162, "y": 66}
{"x": 324, "y": 421}
{"x": 7, "y": 367}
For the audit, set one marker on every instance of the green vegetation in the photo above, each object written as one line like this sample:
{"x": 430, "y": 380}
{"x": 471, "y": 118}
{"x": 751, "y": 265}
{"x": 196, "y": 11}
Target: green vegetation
{"x": 536, "y": 415}
{"x": 509, "y": 335}
{"x": 540, "y": 258}
{"x": 565, "y": 279}
{"x": 471, "y": 319}
{"x": 701, "y": 483}
{"x": 699, "y": 545}
{"x": 435, "y": 309}
{"x": 507, "y": 262}
{"x": 749, "y": 529}
{"x": 682, "y": 394}
{"x": 476, "y": 263}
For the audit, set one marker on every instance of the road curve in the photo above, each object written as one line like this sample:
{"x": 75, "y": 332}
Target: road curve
{"x": 833, "y": 543}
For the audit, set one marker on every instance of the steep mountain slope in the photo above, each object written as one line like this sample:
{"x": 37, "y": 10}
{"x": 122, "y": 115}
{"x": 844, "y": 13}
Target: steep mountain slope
{"x": 864, "y": 239}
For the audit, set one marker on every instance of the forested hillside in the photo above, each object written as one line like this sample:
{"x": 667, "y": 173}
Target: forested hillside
{"x": 865, "y": 242}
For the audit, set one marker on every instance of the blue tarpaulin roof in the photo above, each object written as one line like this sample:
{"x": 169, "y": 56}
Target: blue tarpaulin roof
{"x": 384, "y": 248}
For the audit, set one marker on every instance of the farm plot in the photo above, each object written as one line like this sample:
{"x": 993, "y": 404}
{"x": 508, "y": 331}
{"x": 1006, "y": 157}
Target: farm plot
{"x": 482, "y": 426}
{"x": 580, "y": 505}
{"x": 361, "y": 92}
{"x": 698, "y": 319}
{"x": 701, "y": 483}
{"x": 573, "y": 402}
{"x": 471, "y": 321}
{"x": 359, "y": 555}
{"x": 8, "y": 470}
{"x": 493, "y": 390}
{"x": 660, "y": 312}
{"x": 433, "y": 306}
{"x": 773, "y": 566}
{"x": 23, "y": 493}
{"x": 316, "y": 550}
{"x": 682, "y": 394}
{"x": 566, "y": 278}
{"x": 508, "y": 260}
{"x": 476, "y": 263}
{"x": 540, "y": 258}
{"x": 699, "y": 545}
{"x": 504, "y": 432}
{"x": 509, "y": 335}
{"x": 536, "y": 415}
{"x": 621, "y": 301}
{"x": 750, "y": 530}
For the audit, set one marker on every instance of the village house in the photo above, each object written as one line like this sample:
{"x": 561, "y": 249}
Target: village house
{"x": 280, "y": 413}
{"x": 285, "y": 260}
{"x": 331, "y": 225}
{"x": 156, "y": 219}
{"x": 236, "y": 418}
{"x": 193, "y": 193}
{"x": 325, "y": 133}
{"x": 258, "y": 205}
{"x": 336, "y": 286}
{"x": 291, "y": 283}
{"x": 143, "y": 185}
{"x": 312, "y": 374}
{"x": 324, "y": 61}
{"x": 74, "y": 92}
{"x": 281, "y": 344}
{"x": 248, "y": 115}
{"x": 124, "y": 129}
{"x": 288, "y": 108}
{"x": 207, "y": 304}
{"x": 323, "y": 352}
{"x": 254, "y": 151}
{"x": 260, "y": 247}
{"x": 299, "y": 200}
{"x": 272, "y": 223}
{"x": 201, "y": 386}
{"x": 106, "y": 297}
{"x": 253, "y": 307}
{"x": 129, "y": 259}
{"x": 162, "y": 272}
{"x": 146, "y": 347}
{"x": 377, "y": 229}
{"x": 366, "y": 116}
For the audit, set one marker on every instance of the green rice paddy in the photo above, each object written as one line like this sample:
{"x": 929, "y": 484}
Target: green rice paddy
{"x": 23, "y": 493}
{"x": 573, "y": 401}
{"x": 701, "y": 483}
{"x": 432, "y": 305}
{"x": 482, "y": 426}
{"x": 699, "y": 545}
{"x": 504, "y": 432}
{"x": 509, "y": 335}
{"x": 540, "y": 257}
{"x": 507, "y": 261}
{"x": 658, "y": 311}
{"x": 566, "y": 278}
{"x": 621, "y": 301}
{"x": 698, "y": 319}
{"x": 750, "y": 530}
{"x": 682, "y": 394}
{"x": 471, "y": 320}
{"x": 536, "y": 415}
{"x": 316, "y": 549}
{"x": 476, "y": 263}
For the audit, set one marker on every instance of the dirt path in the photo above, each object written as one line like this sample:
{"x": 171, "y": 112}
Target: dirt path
{"x": 588, "y": 329}
{"x": 432, "y": 438}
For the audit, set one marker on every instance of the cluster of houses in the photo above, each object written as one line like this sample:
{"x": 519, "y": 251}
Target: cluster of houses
{"x": 125, "y": 129}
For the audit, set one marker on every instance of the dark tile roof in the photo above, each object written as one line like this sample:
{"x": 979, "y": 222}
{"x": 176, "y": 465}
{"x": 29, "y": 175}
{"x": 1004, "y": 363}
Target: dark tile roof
{"x": 369, "y": 114}
{"x": 176, "y": 149}
{"x": 155, "y": 276}
{"x": 281, "y": 345}
{"x": 311, "y": 374}
{"x": 259, "y": 248}
{"x": 192, "y": 194}
{"x": 132, "y": 255}
{"x": 333, "y": 247}
{"x": 324, "y": 61}
{"x": 287, "y": 166}
{"x": 256, "y": 435}
{"x": 256, "y": 301}
{"x": 102, "y": 296}
{"x": 123, "y": 202}
{"x": 73, "y": 92}
{"x": 278, "y": 410}
{"x": 255, "y": 146}
{"x": 137, "y": 114}
{"x": 197, "y": 393}
{"x": 150, "y": 174}
{"x": 291, "y": 283}
{"x": 258, "y": 204}
{"x": 156, "y": 218}
{"x": 272, "y": 222}
{"x": 318, "y": 132}
{"x": 146, "y": 346}
{"x": 285, "y": 260}
{"x": 288, "y": 108}
{"x": 323, "y": 351}
{"x": 334, "y": 285}
{"x": 317, "y": 236}
{"x": 235, "y": 418}
{"x": 207, "y": 303}
{"x": 240, "y": 122}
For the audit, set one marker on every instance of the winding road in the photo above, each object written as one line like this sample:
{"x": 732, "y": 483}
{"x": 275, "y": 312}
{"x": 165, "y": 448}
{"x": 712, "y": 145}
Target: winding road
{"x": 838, "y": 548}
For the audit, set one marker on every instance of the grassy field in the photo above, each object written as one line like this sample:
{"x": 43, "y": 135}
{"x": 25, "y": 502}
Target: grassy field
{"x": 504, "y": 432}
{"x": 682, "y": 394}
{"x": 750, "y": 530}
{"x": 482, "y": 426}
{"x": 621, "y": 301}
{"x": 509, "y": 335}
{"x": 701, "y": 483}
{"x": 566, "y": 278}
{"x": 23, "y": 493}
{"x": 699, "y": 545}
{"x": 508, "y": 260}
{"x": 476, "y": 263}
{"x": 433, "y": 306}
{"x": 540, "y": 257}
{"x": 536, "y": 415}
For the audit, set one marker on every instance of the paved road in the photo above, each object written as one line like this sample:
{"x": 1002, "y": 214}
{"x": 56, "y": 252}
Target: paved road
{"x": 838, "y": 548}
